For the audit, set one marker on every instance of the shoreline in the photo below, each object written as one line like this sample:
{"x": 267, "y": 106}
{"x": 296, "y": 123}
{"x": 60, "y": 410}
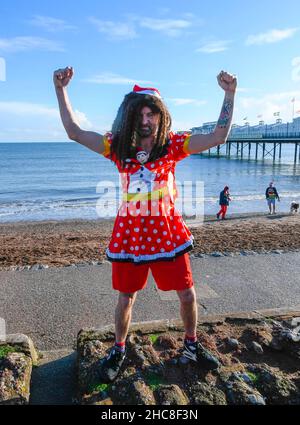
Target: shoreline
{"x": 59, "y": 243}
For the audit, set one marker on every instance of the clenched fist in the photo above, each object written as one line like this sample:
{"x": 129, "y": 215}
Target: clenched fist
{"x": 228, "y": 82}
{"x": 62, "y": 77}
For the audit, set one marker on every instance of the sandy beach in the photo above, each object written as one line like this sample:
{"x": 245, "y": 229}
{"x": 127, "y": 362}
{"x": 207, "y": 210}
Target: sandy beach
{"x": 61, "y": 243}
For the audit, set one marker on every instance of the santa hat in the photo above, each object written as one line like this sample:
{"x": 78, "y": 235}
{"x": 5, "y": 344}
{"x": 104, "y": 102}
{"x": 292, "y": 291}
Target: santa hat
{"x": 146, "y": 90}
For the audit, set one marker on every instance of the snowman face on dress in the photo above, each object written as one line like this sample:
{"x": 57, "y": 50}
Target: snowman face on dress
{"x": 142, "y": 157}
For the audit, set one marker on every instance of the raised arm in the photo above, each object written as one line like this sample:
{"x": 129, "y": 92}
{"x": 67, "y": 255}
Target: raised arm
{"x": 201, "y": 142}
{"x": 90, "y": 139}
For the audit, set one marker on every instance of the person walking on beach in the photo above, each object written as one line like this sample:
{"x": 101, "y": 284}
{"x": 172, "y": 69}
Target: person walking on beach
{"x": 271, "y": 196}
{"x": 224, "y": 202}
{"x": 149, "y": 232}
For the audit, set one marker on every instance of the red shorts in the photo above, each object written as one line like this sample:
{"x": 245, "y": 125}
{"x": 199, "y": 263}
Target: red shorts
{"x": 168, "y": 275}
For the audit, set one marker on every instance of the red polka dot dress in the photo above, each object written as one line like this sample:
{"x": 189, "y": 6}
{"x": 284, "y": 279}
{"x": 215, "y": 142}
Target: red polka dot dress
{"x": 148, "y": 227}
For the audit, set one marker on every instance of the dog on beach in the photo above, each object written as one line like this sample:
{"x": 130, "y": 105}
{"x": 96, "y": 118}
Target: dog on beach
{"x": 294, "y": 207}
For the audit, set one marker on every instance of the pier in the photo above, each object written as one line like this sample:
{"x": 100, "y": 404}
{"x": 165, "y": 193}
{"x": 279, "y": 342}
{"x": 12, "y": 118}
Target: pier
{"x": 263, "y": 147}
{"x": 265, "y": 140}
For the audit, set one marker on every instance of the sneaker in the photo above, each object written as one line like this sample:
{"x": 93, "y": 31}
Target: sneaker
{"x": 110, "y": 366}
{"x": 218, "y": 216}
{"x": 200, "y": 355}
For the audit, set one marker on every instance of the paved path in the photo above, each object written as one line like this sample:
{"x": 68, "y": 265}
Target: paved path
{"x": 52, "y": 305}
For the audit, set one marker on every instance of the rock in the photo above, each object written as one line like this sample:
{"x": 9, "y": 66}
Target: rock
{"x": 205, "y": 394}
{"x": 240, "y": 393}
{"x": 138, "y": 393}
{"x": 167, "y": 342}
{"x": 15, "y": 373}
{"x": 216, "y": 254}
{"x": 276, "y": 388}
{"x": 24, "y": 344}
{"x": 257, "y": 347}
{"x": 36, "y": 267}
{"x": 233, "y": 343}
{"x": 171, "y": 395}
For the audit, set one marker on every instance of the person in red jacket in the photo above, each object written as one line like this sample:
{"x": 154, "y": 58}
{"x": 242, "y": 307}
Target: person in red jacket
{"x": 149, "y": 233}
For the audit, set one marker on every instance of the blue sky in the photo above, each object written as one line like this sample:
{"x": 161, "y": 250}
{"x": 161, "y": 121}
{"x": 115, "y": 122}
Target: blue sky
{"x": 177, "y": 46}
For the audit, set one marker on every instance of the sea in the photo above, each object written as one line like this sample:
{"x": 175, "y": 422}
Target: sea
{"x": 62, "y": 181}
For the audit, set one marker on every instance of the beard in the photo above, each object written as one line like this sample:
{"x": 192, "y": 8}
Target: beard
{"x": 144, "y": 131}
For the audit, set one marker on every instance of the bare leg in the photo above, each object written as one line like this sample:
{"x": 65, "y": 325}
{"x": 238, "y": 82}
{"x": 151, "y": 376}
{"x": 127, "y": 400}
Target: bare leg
{"x": 123, "y": 315}
{"x": 188, "y": 310}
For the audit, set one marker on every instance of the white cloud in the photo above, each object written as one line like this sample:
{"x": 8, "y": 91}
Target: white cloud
{"x": 214, "y": 46}
{"x": 267, "y": 105}
{"x": 111, "y": 78}
{"x": 179, "y": 125}
{"x": 29, "y": 43}
{"x": 115, "y": 30}
{"x": 25, "y": 108}
{"x": 50, "y": 24}
{"x": 169, "y": 27}
{"x": 272, "y": 36}
{"x": 183, "y": 101}
{"x": 32, "y": 121}
{"x": 82, "y": 119}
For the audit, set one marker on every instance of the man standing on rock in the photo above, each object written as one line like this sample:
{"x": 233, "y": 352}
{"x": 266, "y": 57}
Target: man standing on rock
{"x": 149, "y": 233}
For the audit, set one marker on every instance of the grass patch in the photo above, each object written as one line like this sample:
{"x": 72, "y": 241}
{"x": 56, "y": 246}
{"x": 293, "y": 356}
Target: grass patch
{"x": 254, "y": 378}
{"x": 6, "y": 349}
{"x": 153, "y": 338}
{"x": 154, "y": 381}
{"x": 98, "y": 388}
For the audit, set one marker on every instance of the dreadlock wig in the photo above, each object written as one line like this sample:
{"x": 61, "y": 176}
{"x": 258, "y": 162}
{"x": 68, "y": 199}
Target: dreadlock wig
{"x": 124, "y": 128}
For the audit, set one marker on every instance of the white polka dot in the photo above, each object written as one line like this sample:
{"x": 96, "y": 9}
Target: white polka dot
{"x": 151, "y": 221}
{"x": 161, "y": 223}
{"x": 143, "y": 247}
{"x": 142, "y": 220}
{"x": 122, "y": 251}
{"x": 155, "y": 231}
{"x": 115, "y": 244}
{"x": 153, "y": 203}
{"x": 158, "y": 240}
{"x": 131, "y": 248}
{"x": 158, "y": 174}
{"x": 160, "y": 163}
{"x": 136, "y": 229}
{"x": 157, "y": 213}
{"x": 145, "y": 229}
{"x": 152, "y": 165}
{"x": 127, "y": 231}
{"x": 174, "y": 244}
{"x": 118, "y": 235}
{"x": 125, "y": 241}
{"x": 162, "y": 250}
{"x": 168, "y": 243}
{"x": 165, "y": 233}
{"x": 178, "y": 237}
{"x": 130, "y": 221}
{"x": 133, "y": 239}
{"x": 144, "y": 202}
{"x": 162, "y": 171}
{"x": 121, "y": 224}
{"x": 174, "y": 227}
{"x": 152, "y": 249}
{"x": 138, "y": 211}
{"x": 136, "y": 248}
{"x": 149, "y": 239}
{"x": 140, "y": 238}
